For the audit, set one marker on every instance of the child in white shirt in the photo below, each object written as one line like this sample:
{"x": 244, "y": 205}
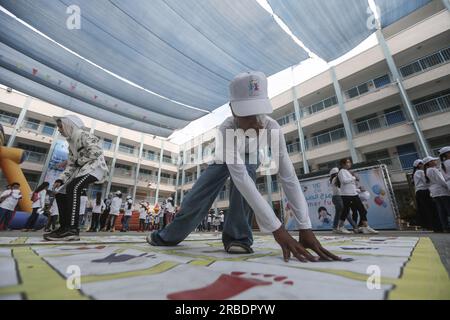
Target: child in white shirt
{"x": 8, "y": 203}
{"x": 439, "y": 190}
{"x": 251, "y": 130}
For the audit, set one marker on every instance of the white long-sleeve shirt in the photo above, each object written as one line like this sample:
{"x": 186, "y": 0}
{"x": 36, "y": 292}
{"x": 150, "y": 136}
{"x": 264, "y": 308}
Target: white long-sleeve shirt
{"x": 438, "y": 186}
{"x": 98, "y": 208}
{"x": 116, "y": 203}
{"x": 348, "y": 183}
{"x": 420, "y": 182}
{"x": 226, "y": 153}
{"x": 446, "y": 173}
{"x": 40, "y": 201}
{"x": 129, "y": 207}
{"x": 13, "y": 197}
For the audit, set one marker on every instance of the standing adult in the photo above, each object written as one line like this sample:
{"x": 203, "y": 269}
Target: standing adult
{"x": 86, "y": 165}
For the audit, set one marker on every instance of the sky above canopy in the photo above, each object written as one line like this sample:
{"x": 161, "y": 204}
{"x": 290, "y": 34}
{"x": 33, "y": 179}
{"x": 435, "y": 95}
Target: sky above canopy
{"x": 156, "y": 66}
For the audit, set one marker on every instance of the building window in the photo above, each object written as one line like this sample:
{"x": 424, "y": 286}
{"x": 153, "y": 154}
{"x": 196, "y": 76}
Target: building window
{"x": 126, "y": 148}
{"x": 48, "y": 129}
{"x": 32, "y": 124}
{"x": 107, "y": 144}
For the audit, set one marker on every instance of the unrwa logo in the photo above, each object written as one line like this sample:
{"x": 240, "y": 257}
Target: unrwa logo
{"x": 253, "y": 88}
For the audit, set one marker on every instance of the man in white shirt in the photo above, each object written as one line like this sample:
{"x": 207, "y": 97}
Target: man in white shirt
{"x": 9, "y": 199}
{"x": 237, "y": 157}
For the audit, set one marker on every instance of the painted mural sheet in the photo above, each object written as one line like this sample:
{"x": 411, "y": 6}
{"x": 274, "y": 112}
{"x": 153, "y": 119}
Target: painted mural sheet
{"x": 200, "y": 269}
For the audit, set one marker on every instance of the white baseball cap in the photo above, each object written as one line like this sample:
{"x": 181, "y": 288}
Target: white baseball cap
{"x": 118, "y": 192}
{"x": 248, "y": 94}
{"x": 444, "y": 150}
{"x": 429, "y": 159}
{"x": 334, "y": 171}
{"x": 417, "y": 162}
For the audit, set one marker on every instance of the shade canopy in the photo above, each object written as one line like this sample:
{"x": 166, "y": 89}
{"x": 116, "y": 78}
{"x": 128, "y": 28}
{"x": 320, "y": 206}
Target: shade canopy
{"x": 154, "y": 66}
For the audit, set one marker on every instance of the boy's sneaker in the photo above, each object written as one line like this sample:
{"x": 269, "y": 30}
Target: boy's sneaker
{"x": 238, "y": 248}
{"x": 368, "y": 230}
{"x": 65, "y": 235}
{"x": 54, "y": 232}
{"x": 342, "y": 230}
{"x": 357, "y": 230}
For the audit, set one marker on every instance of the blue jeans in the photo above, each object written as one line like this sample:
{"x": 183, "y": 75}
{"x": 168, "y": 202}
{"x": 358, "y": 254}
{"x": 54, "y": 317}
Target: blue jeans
{"x": 5, "y": 217}
{"x": 125, "y": 225}
{"x": 196, "y": 204}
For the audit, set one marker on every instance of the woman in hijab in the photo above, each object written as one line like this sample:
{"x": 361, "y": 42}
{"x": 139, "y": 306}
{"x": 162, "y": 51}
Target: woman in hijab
{"x": 86, "y": 165}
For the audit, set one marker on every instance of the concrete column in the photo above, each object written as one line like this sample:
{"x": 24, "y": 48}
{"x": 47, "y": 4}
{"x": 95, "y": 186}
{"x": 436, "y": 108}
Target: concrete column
{"x": 19, "y": 121}
{"x": 138, "y": 167}
{"x": 93, "y": 125}
{"x": 199, "y": 157}
{"x": 183, "y": 175}
{"x": 159, "y": 171}
{"x": 176, "y": 183}
{"x": 298, "y": 117}
{"x": 113, "y": 164}
{"x": 344, "y": 116}
{"x": 403, "y": 94}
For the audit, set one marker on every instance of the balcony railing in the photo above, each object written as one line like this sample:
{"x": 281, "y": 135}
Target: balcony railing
{"x": 368, "y": 86}
{"x": 8, "y": 120}
{"x": 35, "y": 157}
{"x": 167, "y": 181}
{"x": 378, "y": 123}
{"x": 325, "y": 138}
{"x": 107, "y": 145}
{"x": 321, "y": 105}
{"x": 145, "y": 177}
{"x": 294, "y": 147}
{"x": 402, "y": 162}
{"x": 440, "y": 104}
{"x": 127, "y": 150}
{"x": 123, "y": 173}
{"x": 427, "y": 62}
{"x": 39, "y": 128}
{"x": 285, "y": 120}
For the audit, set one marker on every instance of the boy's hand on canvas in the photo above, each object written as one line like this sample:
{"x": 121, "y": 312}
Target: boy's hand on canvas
{"x": 309, "y": 241}
{"x": 290, "y": 245}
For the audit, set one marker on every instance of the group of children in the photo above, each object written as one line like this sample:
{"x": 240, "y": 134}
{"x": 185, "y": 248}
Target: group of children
{"x": 347, "y": 194}
{"x": 212, "y": 221}
{"x": 154, "y": 218}
{"x": 432, "y": 185}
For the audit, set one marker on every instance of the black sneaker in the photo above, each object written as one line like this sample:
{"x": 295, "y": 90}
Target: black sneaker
{"x": 67, "y": 235}
{"x": 54, "y": 232}
{"x": 238, "y": 248}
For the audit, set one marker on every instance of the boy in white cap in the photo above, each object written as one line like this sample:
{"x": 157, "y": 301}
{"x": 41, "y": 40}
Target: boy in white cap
{"x": 86, "y": 165}
{"x": 439, "y": 190}
{"x": 116, "y": 205}
{"x": 250, "y": 106}
{"x": 128, "y": 214}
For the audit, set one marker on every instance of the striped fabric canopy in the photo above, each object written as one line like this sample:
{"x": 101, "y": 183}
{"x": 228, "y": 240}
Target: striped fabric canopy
{"x": 154, "y": 66}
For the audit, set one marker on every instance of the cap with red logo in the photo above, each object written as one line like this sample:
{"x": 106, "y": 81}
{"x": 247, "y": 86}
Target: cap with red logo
{"x": 248, "y": 94}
